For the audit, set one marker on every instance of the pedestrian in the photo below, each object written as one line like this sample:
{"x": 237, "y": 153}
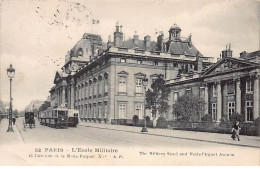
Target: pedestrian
{"x": 235, "y": 131}
{"x": 14, "y": 119}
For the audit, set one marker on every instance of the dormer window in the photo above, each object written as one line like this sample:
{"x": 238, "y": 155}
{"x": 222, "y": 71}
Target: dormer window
{"x": 155, "y": 63}
{"x": 122, "y": 60}
{"x": 139, "y": 62}
{"x": 175, "y": 64}
{"x": 80, "y": 52}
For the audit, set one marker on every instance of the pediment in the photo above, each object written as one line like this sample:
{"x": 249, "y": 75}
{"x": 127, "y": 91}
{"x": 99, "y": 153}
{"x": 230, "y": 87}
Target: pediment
{"x": 228, "y": 64}
{"x": 57, "y": 77}
{"x": 140, "y": 74}
{"x": 154, "y": 75}
{"x": 123, "y": 73}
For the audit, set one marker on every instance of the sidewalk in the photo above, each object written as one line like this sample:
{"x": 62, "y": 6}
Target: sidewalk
{"x": 246, "y": 141}
{"x": 9, "y": 137}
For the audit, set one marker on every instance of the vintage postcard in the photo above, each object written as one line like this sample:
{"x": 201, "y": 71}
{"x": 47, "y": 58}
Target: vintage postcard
{"x": 129, "y": 83}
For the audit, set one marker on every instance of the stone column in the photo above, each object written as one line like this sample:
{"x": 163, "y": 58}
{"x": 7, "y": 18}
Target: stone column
{"x": 72, "y": 102}
{"x": 219, "y": 102}
{"x": 206, "y": 99}
{"x": 238, "y": 97}
{"x": 69, "y": 97}
{"x": 256, "y": 97}
{"x": 63, "y": 95}
{"x": 58, "y": 92}
{"x": 57, "y": 97}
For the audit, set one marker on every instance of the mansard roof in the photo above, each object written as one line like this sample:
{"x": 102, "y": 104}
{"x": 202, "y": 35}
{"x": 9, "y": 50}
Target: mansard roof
{"x": 181, "y": 47}
{"x": 245, "y": 55}
{"x": 129, "y": 43}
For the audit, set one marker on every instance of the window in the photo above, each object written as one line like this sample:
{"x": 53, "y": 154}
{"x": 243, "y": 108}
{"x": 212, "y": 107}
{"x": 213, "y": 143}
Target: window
{"x": 214, "y": 88}
{"x": 139, "y": 110}
{"x": 99, "y": 111}
{"x": 230, "y": 88}
{"x": 122, "y": 111}
{"x": 138, "y": 85}
{"x": 122, "y": 60}
{"x": 231, "y": 108}
{"x": 87, "y": 86}
{"x": 249, "y": 111}
{"x": 175, "y": 64}
{"x": 79, "y": 93}
{"x": 105, "y": 111}
{"x": 156, "y": 63}
{"x": 106, "y": 83}
{"x": 214, "y": 111}
{"x": 175, "y": 96}
{"x": 86, "y": 111}
{"x": 188, "y": 91}
{"x": 139, "y": 62}
{"x": 249, "y": 86}
{"x": 90, "y": 90}
{"x": 202, "y": 92}
{"x": 100, "y": 90}
{"x": 122, "y": 84}
{"x": 89, "y": 111}
{"x": 94, "y": 111}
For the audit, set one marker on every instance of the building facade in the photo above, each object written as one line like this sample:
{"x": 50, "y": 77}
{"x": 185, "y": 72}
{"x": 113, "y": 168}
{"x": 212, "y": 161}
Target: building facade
{"x": 104, "y": 80}
{"x": 229, "y": 86}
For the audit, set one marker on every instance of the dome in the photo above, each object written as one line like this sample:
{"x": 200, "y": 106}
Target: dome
{"x": 175, "y": 27}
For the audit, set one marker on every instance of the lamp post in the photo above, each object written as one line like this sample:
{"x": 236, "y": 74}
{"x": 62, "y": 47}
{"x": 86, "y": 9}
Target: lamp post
{"x": 10, "y": 74}
{"x": 145, "y": 82}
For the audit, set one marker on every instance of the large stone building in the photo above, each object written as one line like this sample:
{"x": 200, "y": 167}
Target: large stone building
{"x": 104, "y": 80}
{"x": 229, "y": 86}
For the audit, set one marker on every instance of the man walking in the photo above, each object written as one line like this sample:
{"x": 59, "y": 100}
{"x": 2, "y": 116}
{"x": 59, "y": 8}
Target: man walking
{"x": 235, "y": 131}
{"x": 14, "y": 119}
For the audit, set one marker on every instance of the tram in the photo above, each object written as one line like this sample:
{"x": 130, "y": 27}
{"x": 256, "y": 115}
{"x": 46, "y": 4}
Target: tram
{"x": 54, "y": 117}
{"x": 73, "y": 116}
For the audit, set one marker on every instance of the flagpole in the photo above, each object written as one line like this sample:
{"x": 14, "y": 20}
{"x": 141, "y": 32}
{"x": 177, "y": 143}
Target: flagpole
{"x": 91, "y": 26}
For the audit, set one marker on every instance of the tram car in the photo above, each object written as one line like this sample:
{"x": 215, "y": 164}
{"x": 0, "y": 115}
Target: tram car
{"x": 73, "y": 116}
{"x": 29, "y": 120}
{"x": 55, "y": 117}
{"x": 42, "y": 117}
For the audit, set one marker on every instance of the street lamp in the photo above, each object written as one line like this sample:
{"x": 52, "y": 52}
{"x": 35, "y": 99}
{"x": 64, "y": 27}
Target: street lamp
{"x": 10, "y": 74}
{"x": 145, "y": 83}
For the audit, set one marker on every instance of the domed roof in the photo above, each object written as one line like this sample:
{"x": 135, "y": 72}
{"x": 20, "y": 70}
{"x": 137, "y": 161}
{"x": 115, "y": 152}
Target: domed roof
{"x": 175, "y": 27}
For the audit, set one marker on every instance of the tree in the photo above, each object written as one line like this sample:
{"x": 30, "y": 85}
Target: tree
{"x": 157, "y": 97}
{"x": 189, "y": 107}
{"x": 45, "y": 105}
{"x": 16, "y": 113}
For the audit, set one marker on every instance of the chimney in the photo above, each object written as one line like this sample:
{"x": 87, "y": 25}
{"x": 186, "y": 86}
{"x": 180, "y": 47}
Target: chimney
{"x": 118, "y": 36}
{"x": 189, "y": 40}
{"x": 136, "y": 39}
{"x": 147, "y": 41}
{"x": 159, "y": 44}
{"x": 198, "y": 66}
{"x": 109, "y": 43}
{"x": 243, "y": 54}
{"x": 227, "y": 52}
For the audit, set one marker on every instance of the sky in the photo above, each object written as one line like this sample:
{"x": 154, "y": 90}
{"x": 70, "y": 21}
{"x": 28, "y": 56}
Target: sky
{"x": 36, "y": 35}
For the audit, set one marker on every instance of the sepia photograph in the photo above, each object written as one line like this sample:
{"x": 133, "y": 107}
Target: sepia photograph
{"x": 129, "y": 82}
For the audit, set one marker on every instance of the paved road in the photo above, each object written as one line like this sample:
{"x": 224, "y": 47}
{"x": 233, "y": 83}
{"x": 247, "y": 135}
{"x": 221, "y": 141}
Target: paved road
{"x": 83, "y": 135}
{"x": 19, "y": 145}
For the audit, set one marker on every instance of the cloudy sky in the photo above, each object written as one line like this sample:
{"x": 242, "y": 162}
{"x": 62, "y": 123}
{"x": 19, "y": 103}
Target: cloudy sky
{"x": 35, "y": 35}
